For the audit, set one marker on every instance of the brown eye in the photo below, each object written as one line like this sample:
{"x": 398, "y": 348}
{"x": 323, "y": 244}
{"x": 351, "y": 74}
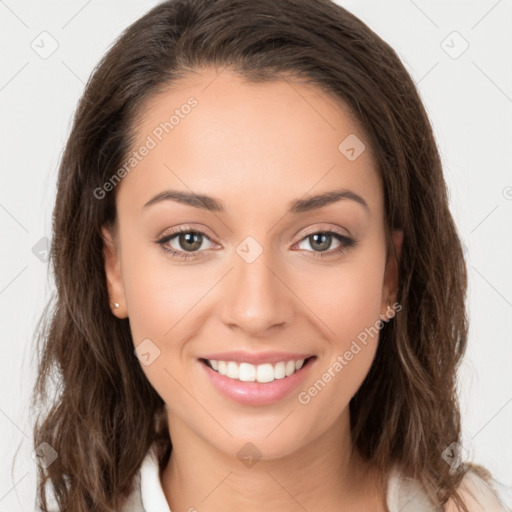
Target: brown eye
{"x": 184, "y": 243}
{"x": 190, "y": 241}
{"x": 321, "y": 241}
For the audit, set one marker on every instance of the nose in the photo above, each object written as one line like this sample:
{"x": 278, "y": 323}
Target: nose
{"x": 257, "y": 298}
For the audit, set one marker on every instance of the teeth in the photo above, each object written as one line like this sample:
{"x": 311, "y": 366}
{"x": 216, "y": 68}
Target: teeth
{"x": 232, "y": 371}
{"x": 280, "y": 370}
{"x": 223, "y": 367}
{"x": 247, "y": 372}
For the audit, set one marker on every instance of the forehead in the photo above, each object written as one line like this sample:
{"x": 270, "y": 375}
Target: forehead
{"x": 215, "y": 133}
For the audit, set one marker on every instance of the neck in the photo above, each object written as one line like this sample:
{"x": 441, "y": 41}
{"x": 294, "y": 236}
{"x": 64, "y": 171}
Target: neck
{"x": 318, "y": 476}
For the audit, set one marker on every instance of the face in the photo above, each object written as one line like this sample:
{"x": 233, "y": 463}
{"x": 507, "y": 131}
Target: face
{"x": 257, "y": 274}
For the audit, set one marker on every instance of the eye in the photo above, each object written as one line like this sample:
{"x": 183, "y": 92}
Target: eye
{"x": 321, "y": 241}
{"x": 183, "y": 243}
{"x": 186, "y": 243}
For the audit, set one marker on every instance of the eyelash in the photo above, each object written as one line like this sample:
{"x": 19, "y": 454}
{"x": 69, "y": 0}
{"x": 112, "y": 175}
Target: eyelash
{"x": 346, "y": 243}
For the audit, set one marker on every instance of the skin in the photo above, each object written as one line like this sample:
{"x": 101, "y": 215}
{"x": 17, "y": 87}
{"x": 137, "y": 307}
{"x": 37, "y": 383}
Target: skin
{"x": 256, "y": 148}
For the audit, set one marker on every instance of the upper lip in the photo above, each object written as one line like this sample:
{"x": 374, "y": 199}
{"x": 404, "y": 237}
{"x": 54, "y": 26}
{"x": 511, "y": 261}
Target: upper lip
{"x": 241, "y": 356}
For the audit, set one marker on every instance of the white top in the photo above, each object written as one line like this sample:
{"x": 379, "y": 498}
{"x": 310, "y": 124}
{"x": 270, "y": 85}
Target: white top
{"x": 403, "y": 494}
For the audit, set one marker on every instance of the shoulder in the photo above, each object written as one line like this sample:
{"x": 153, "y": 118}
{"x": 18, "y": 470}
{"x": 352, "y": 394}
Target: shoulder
{"x": 478, "y": 494}
{"x": 406, "y": 494}
{"x": 147, "y": 493}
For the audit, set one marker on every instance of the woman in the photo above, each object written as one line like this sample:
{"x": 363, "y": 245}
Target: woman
{"x": 260, "y": 286}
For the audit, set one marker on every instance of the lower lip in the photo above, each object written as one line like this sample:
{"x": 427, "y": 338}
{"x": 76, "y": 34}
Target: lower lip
{"x": 257, "y": 393}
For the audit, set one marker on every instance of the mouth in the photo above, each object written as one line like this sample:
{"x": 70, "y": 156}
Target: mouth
{"x": 264, "y": 384}
{"x": 261, "y": 373}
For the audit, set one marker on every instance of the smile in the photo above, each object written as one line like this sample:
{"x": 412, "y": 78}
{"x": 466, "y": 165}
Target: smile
{"x": 260, "y": 384}
{"x": 247, "y": 372}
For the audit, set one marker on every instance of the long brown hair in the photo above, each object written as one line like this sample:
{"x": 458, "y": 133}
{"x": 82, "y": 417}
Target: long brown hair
{"x": 96, "y": 407}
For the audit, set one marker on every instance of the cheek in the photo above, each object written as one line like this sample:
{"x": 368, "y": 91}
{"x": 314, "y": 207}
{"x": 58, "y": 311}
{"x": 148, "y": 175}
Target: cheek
{"x": 159, "y": 293}
{"x": 347, "y": 299}
{"x": 354, "y": 322}
{"x": 348, "y": 303}
{"x": 162, "y": 300}
{"x": 157, "y": 306}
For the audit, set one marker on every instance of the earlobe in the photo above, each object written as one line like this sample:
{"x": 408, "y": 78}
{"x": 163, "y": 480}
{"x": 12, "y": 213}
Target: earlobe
{"x": 113, "y": 274}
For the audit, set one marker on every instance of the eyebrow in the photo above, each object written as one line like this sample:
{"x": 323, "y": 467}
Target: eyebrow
{"x": 298, "y": 206}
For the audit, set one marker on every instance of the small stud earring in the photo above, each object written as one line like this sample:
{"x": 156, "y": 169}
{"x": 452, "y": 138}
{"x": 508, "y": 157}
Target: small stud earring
{"x": 116, "y": 305}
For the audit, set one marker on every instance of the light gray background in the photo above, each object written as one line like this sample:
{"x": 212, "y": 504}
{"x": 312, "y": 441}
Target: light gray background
{"x": 469, "y": 100}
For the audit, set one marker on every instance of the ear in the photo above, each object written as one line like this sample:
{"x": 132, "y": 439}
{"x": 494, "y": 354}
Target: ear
{"x": 115, "y": 285}
{"x": 390, "y": 285}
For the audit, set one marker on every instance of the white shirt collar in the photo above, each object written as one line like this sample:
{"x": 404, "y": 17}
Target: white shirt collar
{"x": 152, "y": 493}
{"x": 403, "y": 494}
